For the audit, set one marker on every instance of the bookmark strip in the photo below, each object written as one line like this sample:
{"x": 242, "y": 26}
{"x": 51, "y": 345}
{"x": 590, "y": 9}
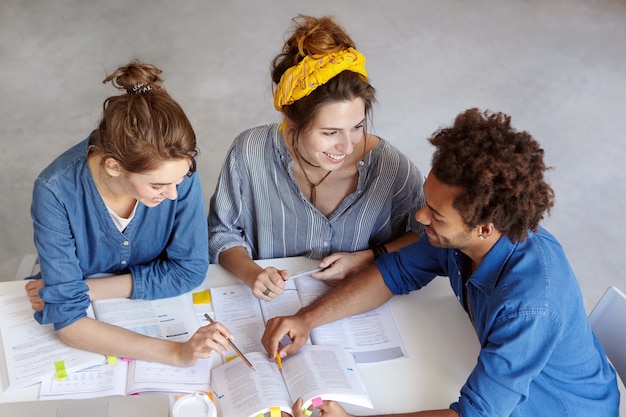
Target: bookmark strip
{"x": 307, "y": 411}
{"x": 61, "y": 372}
{"x": 275, "y": 412}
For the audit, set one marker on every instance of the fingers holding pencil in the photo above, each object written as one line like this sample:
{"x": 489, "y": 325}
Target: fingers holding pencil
{"x": 214, "y": 337}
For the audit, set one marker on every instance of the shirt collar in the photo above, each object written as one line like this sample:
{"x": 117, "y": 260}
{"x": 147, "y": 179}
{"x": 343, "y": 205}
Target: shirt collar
{"x": 490, "y": 269}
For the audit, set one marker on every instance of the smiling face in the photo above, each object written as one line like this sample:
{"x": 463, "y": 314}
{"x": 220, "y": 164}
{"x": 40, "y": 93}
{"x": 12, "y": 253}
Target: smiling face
{"x": 152, "y": 187}
{"x": 443, "y": 224}
{"x": 333, "y": 134}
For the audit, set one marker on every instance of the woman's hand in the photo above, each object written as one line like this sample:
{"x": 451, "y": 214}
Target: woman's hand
{"x": 207, "y": 339}
{"x": 341, "y": 265}
{"x": 269, "y": 283}
{"x": 327, "y": 409}
{"x": 32, "y": 290}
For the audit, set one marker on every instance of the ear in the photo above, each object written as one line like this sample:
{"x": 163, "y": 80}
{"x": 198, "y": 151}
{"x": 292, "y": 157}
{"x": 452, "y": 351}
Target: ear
{"x": 486, "y": 230}
{"x": 112, "y": 167}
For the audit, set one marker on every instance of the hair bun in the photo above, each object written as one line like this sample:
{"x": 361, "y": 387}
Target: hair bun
{"x": 136, "y": 78}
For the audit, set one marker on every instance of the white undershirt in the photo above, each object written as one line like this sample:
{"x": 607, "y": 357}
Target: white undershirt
{"x": 119, "y": 221}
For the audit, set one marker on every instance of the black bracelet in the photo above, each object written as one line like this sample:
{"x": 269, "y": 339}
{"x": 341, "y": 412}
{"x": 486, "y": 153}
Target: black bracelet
{"x": 378, "y": 250}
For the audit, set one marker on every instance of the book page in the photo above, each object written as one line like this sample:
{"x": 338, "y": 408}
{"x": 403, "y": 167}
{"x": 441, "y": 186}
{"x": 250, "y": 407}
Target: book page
{"x": 372, "y": 336}
{"x": 324, "y": 373}
{"x": 31, "y": 350}
{"x": 242, "y": 392}
{"x": 237, "y": 309}
{"x": 146, "y": 376}
{"x": 96, "y": 381}
{"x": 172, "y": 318}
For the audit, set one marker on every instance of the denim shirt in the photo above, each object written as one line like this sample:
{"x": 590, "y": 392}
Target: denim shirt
{"x": 164, "y": 248}
{"x": 538, "y": 355}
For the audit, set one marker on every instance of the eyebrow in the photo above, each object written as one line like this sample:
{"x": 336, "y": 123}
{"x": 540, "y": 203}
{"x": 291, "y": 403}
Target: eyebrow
{"x": 434, "y": 211}
{"x": 337, "y": 128}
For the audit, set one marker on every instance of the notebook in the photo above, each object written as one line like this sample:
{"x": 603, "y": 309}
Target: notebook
{"x": 152, "y": 405}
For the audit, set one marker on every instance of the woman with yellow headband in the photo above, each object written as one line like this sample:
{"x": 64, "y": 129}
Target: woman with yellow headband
{"x": 317, "y": 184}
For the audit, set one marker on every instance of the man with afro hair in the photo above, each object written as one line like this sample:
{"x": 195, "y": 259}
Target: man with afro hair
{"x": 485, "y": 196}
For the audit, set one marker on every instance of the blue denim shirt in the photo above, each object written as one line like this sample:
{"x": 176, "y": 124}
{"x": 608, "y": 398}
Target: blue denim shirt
{"x": 538, "y": 355}
{"x": 165, "y": 248}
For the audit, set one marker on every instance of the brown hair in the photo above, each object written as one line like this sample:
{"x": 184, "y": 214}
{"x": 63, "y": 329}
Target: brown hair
{"x": 144, "y": 126}
{"x": 315, "y": 36}
{"x": 500, "y": 170}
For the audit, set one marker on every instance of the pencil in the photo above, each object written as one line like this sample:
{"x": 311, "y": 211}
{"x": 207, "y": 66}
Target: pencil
{"x": 232, "y": 345}
{"x": 279, "y": 362}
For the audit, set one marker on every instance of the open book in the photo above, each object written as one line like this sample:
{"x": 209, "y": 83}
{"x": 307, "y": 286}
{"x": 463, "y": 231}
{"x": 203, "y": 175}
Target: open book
{"x": 372, "y": 336}
{"x": 33, "y": 352}
{"x": 171, "y": 318}
{"x": 315, "y": 374}
{"x": 128, "y": 378}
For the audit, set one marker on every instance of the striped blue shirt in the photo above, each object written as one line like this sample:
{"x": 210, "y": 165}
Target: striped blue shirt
{"x": 258, "y": 205}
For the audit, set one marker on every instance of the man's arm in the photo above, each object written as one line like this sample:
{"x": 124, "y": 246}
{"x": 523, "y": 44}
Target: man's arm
{"x": 362, "y": 292}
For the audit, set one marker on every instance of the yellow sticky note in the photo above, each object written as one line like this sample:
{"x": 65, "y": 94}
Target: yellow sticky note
{"x": 111, "y": 360}
{"x": 202, "y": 297}
{"x": 307, "y": 411}
{"x": 230, "y": 358}
{"x": 61, "y": 372}
{"x": 275, "y": 412}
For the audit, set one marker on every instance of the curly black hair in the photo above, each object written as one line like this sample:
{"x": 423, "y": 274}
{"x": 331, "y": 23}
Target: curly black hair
{"x": 500, "y": 170}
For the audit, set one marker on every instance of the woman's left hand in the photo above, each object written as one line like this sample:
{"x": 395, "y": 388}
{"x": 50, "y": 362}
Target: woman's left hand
{"x": 341, "y": 265}
{"x": 32, "y": 288}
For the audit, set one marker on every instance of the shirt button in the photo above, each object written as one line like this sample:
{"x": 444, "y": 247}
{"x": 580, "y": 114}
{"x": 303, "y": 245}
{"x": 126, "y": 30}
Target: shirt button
{"x": 325, "y": 244}
{"x": 361, "y": 163}
{"x": 123, "y": 262}
{"x": 126, "y": 243}
{"x": 458, "y": 297}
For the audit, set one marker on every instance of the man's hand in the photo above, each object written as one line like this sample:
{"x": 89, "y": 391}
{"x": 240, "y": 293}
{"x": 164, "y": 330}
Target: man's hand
{"x": 327, "y": 409}
{"x": 32, "y": 290}
{"x": 294, "y": 327}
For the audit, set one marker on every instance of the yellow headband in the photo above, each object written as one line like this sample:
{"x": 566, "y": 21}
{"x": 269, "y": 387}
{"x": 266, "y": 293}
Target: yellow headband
{"x": 313, "y": 71}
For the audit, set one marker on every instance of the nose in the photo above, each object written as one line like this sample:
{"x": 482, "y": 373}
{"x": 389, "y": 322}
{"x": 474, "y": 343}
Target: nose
{"x": 346, "y": 145}
{"x": 170, "y": 192}
{"x": 422, "y": 216}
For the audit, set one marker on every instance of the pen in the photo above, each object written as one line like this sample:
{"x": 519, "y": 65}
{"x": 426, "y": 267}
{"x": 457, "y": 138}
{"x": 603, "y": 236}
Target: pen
{"x": 232, "y": 345}
{"x": 304, "y": 273}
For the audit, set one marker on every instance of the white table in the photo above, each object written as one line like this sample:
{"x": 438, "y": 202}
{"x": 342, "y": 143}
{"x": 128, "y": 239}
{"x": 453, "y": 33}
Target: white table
{"x": 437, "y": 334}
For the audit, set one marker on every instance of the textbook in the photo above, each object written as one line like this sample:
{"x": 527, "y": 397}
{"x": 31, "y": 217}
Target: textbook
{"x": 33, "y": 352}
{"x": 314, "y": 373}
{"x": 128, "y": 377}
{"x": 171, "y": 318}
{"x": 370, "y": 337}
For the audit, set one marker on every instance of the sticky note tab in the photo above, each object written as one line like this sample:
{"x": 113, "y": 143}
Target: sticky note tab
{"x": 230, "y": 358}
{"x": 259, "y": 415}
{"x": 202, "y": 297}
{"x": 307, "y": 411}
{"x": 127, "y": 359}
{"x": 61, "y": 372}
{"x": 111, "y": 360}
{"x": 317, "y": 401}
{"x": 275, "y": 412}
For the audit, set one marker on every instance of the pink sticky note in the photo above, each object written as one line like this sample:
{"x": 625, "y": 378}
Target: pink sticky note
{"x": 316, "y": 401}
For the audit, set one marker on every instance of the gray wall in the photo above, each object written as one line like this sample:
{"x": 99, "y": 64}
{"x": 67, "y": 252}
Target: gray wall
{"x": 558, "y": 67}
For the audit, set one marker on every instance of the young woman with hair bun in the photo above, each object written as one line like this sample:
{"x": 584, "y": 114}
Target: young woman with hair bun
{"x": 317, "y": 184}
{"x": 122, "y": 214}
